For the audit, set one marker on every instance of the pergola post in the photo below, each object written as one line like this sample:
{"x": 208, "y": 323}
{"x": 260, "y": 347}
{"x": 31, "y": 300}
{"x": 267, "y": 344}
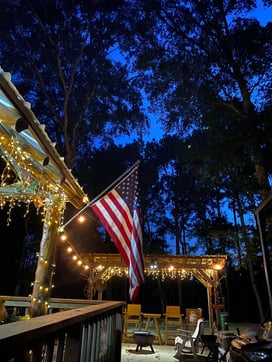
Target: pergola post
{"x": 45, "y": 269}
{"x": 210, "y": 308}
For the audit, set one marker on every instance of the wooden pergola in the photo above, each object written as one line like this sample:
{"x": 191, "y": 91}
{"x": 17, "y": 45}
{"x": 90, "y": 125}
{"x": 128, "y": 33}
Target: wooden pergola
{"x": 34, "y": 173}
{"x": 208, "y": 269}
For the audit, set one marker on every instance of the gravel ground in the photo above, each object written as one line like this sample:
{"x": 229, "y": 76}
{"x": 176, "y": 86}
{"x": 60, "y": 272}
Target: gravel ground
{"x": 161, "y": 353}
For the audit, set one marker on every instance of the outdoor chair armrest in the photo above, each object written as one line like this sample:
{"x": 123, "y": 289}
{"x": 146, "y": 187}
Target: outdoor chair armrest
{"x": 184, "y": 332}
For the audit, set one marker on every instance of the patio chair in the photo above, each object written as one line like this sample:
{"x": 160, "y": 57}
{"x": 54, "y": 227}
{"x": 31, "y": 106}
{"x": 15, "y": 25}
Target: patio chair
{"x": 191, "y": 317}
{"x": 132, "y": 316}
{"x": 189, "y": 341}
{"x": 172, "y": 318}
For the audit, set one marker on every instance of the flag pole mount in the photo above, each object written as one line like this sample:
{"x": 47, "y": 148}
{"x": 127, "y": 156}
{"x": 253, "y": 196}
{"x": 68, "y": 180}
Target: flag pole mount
{"x": 112, "y": 185}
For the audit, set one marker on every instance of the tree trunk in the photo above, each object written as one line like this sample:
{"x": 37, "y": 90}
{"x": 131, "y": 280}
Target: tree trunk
{"x": 237, "y": 238}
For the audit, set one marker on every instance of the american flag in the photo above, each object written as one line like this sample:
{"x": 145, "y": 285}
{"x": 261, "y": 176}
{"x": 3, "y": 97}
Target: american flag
{"x": 119, "y": 213}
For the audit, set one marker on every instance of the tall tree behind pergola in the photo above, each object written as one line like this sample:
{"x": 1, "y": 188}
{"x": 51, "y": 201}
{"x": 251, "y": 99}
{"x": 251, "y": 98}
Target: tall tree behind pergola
{"x": 39, "y": 176}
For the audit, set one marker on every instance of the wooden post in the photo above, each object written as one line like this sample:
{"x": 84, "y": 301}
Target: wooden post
{"x": 45, "y": 270}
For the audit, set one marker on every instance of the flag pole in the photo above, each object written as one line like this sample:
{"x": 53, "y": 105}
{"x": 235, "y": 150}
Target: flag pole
{"x": 113, "y": 184}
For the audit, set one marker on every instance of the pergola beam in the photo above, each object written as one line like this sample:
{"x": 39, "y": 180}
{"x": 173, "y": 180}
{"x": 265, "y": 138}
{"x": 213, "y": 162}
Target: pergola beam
{"x": 206, "y": 262}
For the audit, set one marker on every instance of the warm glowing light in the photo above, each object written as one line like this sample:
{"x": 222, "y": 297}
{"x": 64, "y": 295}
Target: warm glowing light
{"x": 217, "y": 266}
{"x": 81, "y": 219}
{"x": 74, "y": 257}
{"x": 63, "y": 237}
{"x": 79, "y": 262}
{"x": 69, "y": 249}
{"x": 85, "y": 199}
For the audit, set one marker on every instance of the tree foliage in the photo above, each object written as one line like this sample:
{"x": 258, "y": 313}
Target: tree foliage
{"x": 61, "y": 56}
{"x": 204, "y": 57}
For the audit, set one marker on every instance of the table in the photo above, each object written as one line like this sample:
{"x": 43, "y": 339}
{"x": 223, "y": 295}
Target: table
{"x": 155, "y": 317}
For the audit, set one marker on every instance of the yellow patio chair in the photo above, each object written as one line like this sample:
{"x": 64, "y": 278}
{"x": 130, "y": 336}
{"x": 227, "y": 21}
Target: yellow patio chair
{"x": 172, "y": 321}
{"x": 132, "y": 316}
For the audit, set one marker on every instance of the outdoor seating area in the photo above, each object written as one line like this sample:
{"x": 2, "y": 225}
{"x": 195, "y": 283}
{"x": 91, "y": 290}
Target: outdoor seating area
{"x": 214, "y": 345}
{"x": 164, "y": 326}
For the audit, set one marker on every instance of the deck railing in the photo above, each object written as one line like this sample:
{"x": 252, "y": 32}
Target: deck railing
{"x": 92, "y": 332}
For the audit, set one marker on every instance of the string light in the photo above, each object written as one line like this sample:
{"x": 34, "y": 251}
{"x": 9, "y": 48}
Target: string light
{"x": 21, "y": 186}
{"x": 170, "y": 273}
{"x": 71, "y": 250}
{"x": 105, "y": 272}
{"x": 27, "y": 180}
{"x": 81, "y": 219}
{"x": 188, "y": 269}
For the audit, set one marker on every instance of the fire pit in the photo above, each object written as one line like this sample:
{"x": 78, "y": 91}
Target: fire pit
{"x": 143, "y": 339}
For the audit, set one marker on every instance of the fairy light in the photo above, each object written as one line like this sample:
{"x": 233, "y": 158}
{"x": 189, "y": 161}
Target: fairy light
{"x": 23, "y": 184}
{"x": 105, "y": 272}
{"x": 31, "y": 188}
{"x": 81, "y": 219}
{"x": 167, "y": 273}
{"x": 173, "y": 271}
{"x": 63, "y": 237}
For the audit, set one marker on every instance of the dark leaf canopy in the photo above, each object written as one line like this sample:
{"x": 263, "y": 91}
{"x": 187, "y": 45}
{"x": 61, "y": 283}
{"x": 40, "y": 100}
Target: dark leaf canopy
{"x": 63, "y": 56}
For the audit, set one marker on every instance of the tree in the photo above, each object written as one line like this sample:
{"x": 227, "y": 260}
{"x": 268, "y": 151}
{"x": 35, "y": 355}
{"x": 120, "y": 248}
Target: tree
{"x": 199, "y": 56}
{"x": 64, "y": 64}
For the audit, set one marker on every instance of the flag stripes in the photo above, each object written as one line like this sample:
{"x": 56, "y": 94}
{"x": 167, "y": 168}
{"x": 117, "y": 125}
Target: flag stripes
{"x": 115, "y": 216}
{"x": 119, "y": 213}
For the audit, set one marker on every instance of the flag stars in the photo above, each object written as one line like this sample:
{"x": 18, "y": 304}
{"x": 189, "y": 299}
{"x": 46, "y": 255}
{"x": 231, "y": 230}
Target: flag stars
{"x": 128, "y": 190}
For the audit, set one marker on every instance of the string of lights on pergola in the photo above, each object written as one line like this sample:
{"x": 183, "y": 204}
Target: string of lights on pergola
{"x": 23, "y": 188}
{"x": 105, "y": 266}
{"x": 99, "y": 268}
